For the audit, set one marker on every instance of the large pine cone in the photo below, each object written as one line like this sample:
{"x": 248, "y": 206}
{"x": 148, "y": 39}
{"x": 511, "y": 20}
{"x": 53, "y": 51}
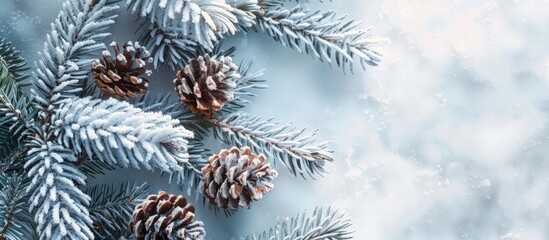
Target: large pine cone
{"x": 120, "y": 77}
{"x": 236, "y": 177}
{"x": 165, "y": 216}
{"x": 206, "y": 84}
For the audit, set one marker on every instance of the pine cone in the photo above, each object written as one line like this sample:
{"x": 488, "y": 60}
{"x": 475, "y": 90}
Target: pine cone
{"x": 236, "y": 177}
{"x": 120, "y": 77}
{"x": 165, "y": 216}
{"x": 206, "y": 84}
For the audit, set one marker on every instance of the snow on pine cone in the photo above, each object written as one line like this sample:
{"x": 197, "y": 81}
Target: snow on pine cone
{"x": 120, "y": 76}
{"x": 206, "y": 84}
{"x": 236, "y": 177}
{"x": 165, "y": 216}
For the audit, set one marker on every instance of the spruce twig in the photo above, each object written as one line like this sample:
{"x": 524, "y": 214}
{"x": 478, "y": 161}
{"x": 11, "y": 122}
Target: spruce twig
{"x": 15, "y": 219}
{"x": 321, "y": 224}
{"x": 111, "y": 207}
{"x": 321, "y": 35}
{"x": 294, "y": 148}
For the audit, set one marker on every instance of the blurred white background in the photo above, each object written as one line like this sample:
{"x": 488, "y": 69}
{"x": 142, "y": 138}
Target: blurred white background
{"x": 446, "y": 139}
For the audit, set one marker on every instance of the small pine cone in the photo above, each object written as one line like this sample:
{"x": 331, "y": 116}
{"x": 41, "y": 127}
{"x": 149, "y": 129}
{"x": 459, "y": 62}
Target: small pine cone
{"x": 206, "y": 84}
{"x": 120, "y": 77}
{"x": 165, "y": 216}
{"x": 236, "y": 177}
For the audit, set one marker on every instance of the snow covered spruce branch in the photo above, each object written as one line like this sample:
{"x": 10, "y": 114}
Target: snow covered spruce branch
{"x": 174, "y": 45}
{"x": 204, "y": 22}
{"x": 121, "y": 134}
{"x": 15, "y": 220}
{"x": 14, "y": 66}
{"x": 111, "y": 208}
{"x": 247, "y": 81}
{"x": 166, "y": 104}
{"x": 61, "y": 207}
{"x": 14, "y": 105}
{"x": 75, "y": 38}
{"x": 322, "y": 224}
{"x": 294, "y": 148}
{"x": 176, "y": 24}
{"x": 15, "y": 110}
{"x": 167, "y": 45}
{"x": 322, "y": 35}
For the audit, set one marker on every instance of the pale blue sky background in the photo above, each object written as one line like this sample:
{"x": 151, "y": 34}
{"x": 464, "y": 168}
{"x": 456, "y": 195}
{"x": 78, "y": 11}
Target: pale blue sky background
{"x": 447, "y": 139}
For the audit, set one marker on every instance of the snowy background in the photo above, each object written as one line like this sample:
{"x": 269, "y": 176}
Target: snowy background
{"x": 446, "y": 139}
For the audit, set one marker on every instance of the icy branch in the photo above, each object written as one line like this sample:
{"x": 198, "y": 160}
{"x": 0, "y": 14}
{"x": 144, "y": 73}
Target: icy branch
{"x": 111, "y": 207}
{"x": 13, "y": 110}
{"x": 321, "y": 35}
{"x": 14, "y": 105}
{"x": 60, "y": 206}
{"x": 167, "y": 46}
{"x": 74, "y": 40}
{"x": 294, "y": 148}
{"x": 15, "y": 220}
{"x": 120, "y": 134}
{"x": 322, "y": 224}
{"x": 203, "y": 21}
{"x": 248, "y": 80}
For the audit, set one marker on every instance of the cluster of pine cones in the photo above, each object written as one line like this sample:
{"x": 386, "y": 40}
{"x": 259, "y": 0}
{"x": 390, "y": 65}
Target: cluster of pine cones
{"x": 204, "y": 85}
{"x": 232, "y": 179}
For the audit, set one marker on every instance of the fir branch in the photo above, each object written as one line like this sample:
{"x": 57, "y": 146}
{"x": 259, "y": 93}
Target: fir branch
{"x": 216, "y": 52}
{"x": 12, "y": 157}
{"x": 12, "y": 120}
{"x": 70, "y": 48}
{"x": 248, "y": 81}
{"x": 93, "y": 167}
{"x": 15, "y": 109}
{"x": 9, "y": 97}
{"x": 165, "y": 104}
{"x": 322, "y": 224}
{"x": 172, "y": 107}
{"x": 321, "y": 35}
{"x": 292, "y": 147}
{"x": 245, "y": 11}
{"x": 167, "y": 46}
{"x": 89, "y": 89}
{"x": 15, "y": 218}
{"x": 169, "y": 106}
{"x": 120, "y": 134}
{"x": 111, "y": 208}
{"x": 204, "y": 22}
{"x": 14, "y": 65}
{"x": 198, "y": 158}
{"x": 170, "y": 47}
{"x": 14, "y": 105}
{"x": 60, "y": 206}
